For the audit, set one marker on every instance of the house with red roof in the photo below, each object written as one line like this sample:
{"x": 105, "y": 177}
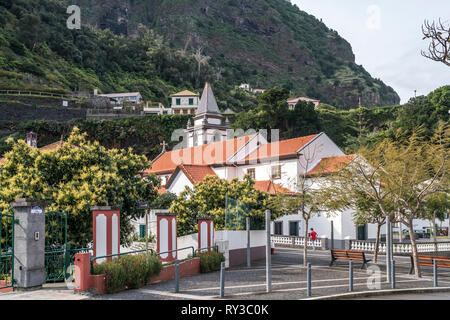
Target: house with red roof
{"x": 210, "y": 148}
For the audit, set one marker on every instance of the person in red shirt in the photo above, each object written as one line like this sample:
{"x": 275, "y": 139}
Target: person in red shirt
{"x": 313, "y": 237}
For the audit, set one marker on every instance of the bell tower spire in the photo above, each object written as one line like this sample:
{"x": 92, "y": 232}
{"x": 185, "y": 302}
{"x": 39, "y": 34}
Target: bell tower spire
{"x": 209, "y": 124}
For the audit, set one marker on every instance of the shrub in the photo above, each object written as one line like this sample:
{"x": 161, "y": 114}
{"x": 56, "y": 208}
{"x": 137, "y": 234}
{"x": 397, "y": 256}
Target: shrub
{"x": 210, "y": 261}
{"x": 128, "y": 271}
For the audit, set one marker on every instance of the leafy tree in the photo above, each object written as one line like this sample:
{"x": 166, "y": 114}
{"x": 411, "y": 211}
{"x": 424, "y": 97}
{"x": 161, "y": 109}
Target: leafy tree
{"x": 76, "y": 176}
{"x": 399, "y": 175}
{"x": 208, "y": 198}
{"x": 367, "y": 211}
{"x": 435, "y": 207}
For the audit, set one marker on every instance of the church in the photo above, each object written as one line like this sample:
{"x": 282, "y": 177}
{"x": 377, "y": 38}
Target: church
{"x": 211, "y": 147}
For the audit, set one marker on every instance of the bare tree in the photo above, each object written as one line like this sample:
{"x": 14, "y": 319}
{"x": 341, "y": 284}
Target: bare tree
{"x": 201, "y": 60}
{"x": 439, "y": 48}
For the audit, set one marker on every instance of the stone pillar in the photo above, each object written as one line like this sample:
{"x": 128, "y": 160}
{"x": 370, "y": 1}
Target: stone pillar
{"x": 166, "y": 224}
{"x": 324, "y": 243}
{"x": 106, "y": 231}
{"x": 29, "y": 243}
{"x": 205, "y": 232}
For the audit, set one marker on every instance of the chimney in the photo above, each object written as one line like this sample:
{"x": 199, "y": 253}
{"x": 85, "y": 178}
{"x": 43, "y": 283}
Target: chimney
{"x": 32, "y": 139}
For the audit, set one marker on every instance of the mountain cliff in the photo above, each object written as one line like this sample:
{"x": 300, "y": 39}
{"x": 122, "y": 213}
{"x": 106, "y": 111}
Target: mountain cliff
{"x": 160, "y": 46}
{"x": 271, "y": 42}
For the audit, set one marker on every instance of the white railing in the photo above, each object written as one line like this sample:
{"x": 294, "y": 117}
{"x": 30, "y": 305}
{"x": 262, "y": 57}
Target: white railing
{"x": 294, "y": 241}
{"x": 363, "y": 245}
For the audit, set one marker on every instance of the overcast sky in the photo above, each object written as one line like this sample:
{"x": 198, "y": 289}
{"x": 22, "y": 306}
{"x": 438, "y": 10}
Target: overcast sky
{"x": 386, "y": 38}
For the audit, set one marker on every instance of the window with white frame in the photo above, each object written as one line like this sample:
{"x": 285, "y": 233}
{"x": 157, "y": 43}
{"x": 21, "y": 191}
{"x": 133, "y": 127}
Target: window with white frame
{"x": 276, "y": 172}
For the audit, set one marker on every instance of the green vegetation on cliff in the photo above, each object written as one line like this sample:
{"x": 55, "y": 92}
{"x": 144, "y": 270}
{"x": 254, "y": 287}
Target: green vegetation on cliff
{"x": 264, "y": 42}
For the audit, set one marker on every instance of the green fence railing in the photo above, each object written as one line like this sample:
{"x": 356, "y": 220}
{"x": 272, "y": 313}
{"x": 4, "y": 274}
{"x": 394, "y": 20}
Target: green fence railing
{"x": 57, "y": 262}
{"x": 6, "y": 250}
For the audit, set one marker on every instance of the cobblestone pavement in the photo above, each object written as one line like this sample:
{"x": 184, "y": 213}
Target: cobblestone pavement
{"x": 52, "y": 291}
{"x": 288, "y": 281}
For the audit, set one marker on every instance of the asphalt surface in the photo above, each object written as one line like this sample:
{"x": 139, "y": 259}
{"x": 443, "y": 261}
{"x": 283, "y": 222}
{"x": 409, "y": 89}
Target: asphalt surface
{"x": 289, "y": 282}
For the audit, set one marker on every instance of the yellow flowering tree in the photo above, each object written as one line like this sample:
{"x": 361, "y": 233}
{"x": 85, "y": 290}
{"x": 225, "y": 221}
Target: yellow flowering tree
{"x": 77, "y": 175}
{"x": 208, "y": 199}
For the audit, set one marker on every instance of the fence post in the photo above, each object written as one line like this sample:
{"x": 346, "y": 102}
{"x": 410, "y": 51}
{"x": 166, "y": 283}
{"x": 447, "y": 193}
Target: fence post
{"x": 268, "y": 254}
{"x": 332, "y": 235}
{"x": 248, "y": 241}
{"x": 308, "y": 279}
{"x": 435, "y": 275}
{"x": 350, "y": 275}
{"x": 393, "y": 274}
{"x": 66, "y": 259}
{"x": 222, "y": 279}
{"x": 177, "y": 277}
{"x": 388, "y": 249}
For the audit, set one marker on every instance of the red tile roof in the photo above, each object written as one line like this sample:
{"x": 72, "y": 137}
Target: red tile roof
{"x": 331, "y": 164}
{"x": 49, "y": 147}
{"x": 204, "y": 155}
{"x": 271, "y": 187}
{"x": 161, "y": 189}
{"x": 280, "y": 148}
{"x": 196, "y": 174}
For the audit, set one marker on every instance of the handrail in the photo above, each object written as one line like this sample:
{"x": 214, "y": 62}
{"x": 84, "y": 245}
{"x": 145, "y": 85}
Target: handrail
{"x": 116, "y": 255}
{"x": 37, "y": 93}
{"x": 190, "y": 247}
{"x": 206, "y": 248}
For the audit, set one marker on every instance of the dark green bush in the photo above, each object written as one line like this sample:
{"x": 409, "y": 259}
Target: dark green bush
{"x": 210, "y": 261}
{"x": 128, "y": 271}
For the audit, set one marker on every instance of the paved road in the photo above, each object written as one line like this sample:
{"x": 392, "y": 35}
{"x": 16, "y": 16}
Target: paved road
{"x": 415, "y": 296}
{"x": 288, "y": 281}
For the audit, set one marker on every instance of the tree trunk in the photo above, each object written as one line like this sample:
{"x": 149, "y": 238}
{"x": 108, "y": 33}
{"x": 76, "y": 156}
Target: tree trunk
{"x": 377, "y": 244}
{"x": 414, "y": 249}
{"x": 305, "y": 247}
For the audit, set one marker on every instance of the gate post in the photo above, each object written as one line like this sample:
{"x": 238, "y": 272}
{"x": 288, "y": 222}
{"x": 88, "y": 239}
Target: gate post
{"x": 29, "y": 243}
{"x": 205, "y": 232}
{"x": 106, "y": 231}
{"x": 166, "y": 235}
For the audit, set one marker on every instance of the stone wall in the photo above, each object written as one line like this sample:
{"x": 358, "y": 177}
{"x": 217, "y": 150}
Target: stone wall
{"x": 12, "y": 111}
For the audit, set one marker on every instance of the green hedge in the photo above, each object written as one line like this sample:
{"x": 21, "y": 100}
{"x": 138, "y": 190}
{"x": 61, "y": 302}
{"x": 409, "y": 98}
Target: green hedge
{"x": 210, "y": 261}
{"x": 128, "y": 271}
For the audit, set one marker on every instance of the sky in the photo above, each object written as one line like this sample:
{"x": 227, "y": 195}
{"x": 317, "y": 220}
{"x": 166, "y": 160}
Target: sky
{"x": 386, "y": 38}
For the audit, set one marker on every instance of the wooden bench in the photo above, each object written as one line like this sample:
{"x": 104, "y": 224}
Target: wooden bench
{"x": 427, "y": 261}
{"x": 349, "y": 255}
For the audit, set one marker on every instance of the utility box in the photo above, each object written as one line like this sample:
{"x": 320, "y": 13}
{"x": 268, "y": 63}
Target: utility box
{"x": 223, "y": 248}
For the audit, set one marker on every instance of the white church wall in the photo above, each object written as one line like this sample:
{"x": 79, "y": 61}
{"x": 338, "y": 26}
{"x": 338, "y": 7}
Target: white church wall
{"x": 321, "y": 147}
{"x": 179, "y": 183}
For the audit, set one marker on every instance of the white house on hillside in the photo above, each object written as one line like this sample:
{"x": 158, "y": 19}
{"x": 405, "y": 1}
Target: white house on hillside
{"x": 292, "y": 102}
{"x": 118, "y": 98}
{"x": 184, "y": 102}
